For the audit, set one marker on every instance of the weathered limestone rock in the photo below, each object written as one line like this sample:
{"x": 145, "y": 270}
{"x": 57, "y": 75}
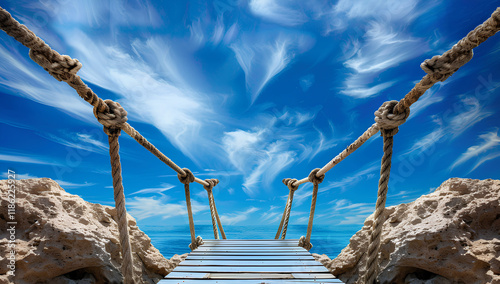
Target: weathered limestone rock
{"x": 449, "y": 236}
{"x": 63, "y": 239}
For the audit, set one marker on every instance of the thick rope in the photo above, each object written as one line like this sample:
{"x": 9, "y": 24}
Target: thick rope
{"x": 441, "y": 67}
{"x": 292, "y": 188}
{"x": 186, "y": 180}
{"x": 389, "y": 123}
{"x": 211, "y": 183}
{"x": 278, "y": 233}
{"x": 121, "y": 211}
{"x": 306, "y": 242}
{"x": 223, "y": 234}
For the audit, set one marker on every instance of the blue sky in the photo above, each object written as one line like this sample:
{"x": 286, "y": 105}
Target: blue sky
{"x": 250, "y": 92}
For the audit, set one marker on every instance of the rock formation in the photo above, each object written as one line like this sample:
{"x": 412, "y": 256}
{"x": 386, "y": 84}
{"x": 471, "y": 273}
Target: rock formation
{"x": 449, "y": 236}
{"x": 60, "y": 238}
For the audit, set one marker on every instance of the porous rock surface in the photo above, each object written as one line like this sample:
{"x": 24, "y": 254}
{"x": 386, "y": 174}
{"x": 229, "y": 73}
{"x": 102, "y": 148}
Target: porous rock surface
{"x": 60, "y": 238}
{"x": 449, "y": 236}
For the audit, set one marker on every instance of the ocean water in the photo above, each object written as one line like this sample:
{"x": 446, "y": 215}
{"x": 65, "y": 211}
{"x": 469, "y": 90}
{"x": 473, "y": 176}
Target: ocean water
{"x": 327, "y": 240}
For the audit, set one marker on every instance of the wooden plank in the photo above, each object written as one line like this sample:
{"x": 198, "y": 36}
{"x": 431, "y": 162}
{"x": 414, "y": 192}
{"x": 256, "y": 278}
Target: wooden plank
{"x": 248, "y": 281}
{"x": 248, "y": 263}
{"x": 195, "y": 275}
{"x": 253, "y": 240}
{"x": 266, "y": 253}
{"x": 207, "y": 248}
{"x": 250, "y": 257}
{"x": 247, "y": 269}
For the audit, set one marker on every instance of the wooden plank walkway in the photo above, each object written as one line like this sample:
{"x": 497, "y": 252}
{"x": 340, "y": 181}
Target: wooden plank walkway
{"x": 250, "y": 261}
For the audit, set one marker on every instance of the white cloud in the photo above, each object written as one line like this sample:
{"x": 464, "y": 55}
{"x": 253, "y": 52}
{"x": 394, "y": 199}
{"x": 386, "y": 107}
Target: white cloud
{"x": 264, "y": 151}
{"x": 22, "y": 158}
{"x": 82, "y": 141}
{"x": 146, "y": 207}
{"x": 379, "y": 42}
{"x": 491, "y": 140}
{"x": 67, "y": 184}
{"x": 237, "y": 217}
{"x": 163, "y": 187}
{"x": 367, "y": 173}
{"x": 452, "y": 123}
{"x": 277, "y": 11}
{"x": 32, "y": 82}
{"x": 361, "y": 92}
{"x": 264, "y": 57}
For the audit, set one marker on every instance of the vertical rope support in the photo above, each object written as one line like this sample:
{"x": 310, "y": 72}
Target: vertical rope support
{"x": 212, "y": 212}
{"x": 287, "y": 215}
{"x": 121, "y": 211}
{"x": 372, "y": 264}
{"x": 190, "y": 213}
{"x": 223, "y": 234}
{"x": 311, "y": 214}
{"x": 282, "y": 219}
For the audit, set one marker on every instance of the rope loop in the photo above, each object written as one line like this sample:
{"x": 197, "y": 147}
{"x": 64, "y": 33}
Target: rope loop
{"x": 198, "y": 242}
{"x": 441, "y": 67}
{"x": 315, "y": 179}
{"x": 188, "y": 178}
{"x": 289, "y": 183}
{"x": 112, "y": 119}
{"x": 387, "y": 121}
{"x": 303, "y": 242}
{"x": 61, "y": 67}
{"x": 211, "y": 183}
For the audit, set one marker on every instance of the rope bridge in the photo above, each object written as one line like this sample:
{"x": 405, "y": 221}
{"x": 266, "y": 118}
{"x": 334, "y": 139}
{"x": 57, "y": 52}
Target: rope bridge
{"x": 388, "y": 118}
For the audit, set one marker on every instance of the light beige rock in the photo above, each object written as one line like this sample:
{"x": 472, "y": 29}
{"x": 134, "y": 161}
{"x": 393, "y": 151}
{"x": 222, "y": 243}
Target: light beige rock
{"x": 449, "y": 236}
{"x": 63, "y": 239}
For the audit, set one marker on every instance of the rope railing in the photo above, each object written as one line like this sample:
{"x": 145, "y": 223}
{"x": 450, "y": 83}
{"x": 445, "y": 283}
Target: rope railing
{"x": 388, "y": 118}
{"x": 114, "y": 119}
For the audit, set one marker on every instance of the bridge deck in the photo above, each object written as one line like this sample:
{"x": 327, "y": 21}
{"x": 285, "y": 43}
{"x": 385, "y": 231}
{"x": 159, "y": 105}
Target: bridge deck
{"x": 250, "y": 261}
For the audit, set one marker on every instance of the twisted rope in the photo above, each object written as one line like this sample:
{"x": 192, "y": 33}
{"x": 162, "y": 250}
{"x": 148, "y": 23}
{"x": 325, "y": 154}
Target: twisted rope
{"x": 389, "y": 123}
{"x": 121, "y": 211}
{"x": 441, "y": 67}
{"x": 186, "y": 180}
{"x": 223, "y": 234}
{"x": 288, "y": 208}
{"x": 306, "y": 242}
{"x": 211, "y": 183}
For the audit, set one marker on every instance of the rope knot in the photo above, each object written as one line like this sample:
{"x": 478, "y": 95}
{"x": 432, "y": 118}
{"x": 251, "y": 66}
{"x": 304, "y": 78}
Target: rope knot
{"x": 441, "y": 67}
{"x": 211, "y": 183}
{"x": 197, "y": 242}
{"x": 315, "y": 179}
{"x": 112, "y": 119}
{"x": 304, "y": 243}
{"x": 289, "y": 183}
{"x": 61, "y": 67}
{"x": 188, "y": 178}
{"x": 387, "y": 121}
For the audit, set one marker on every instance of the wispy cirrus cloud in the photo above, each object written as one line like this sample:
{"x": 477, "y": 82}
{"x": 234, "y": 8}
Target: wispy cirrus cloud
{"x": 159, "y": 190}
{"x": 481, "y": 152}
{"x": 264, "y": 151}
{"x": 382, "y": 41}
{"x": 237, "y": 217}
{"x": 29, "y": 159}
{"x": 278, "y": 11}
{"x": 264, "y": 57}
{"x": 452, "y": 123}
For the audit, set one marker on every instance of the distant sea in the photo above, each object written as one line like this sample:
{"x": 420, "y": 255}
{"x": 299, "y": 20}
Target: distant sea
{"x": 327, "y": 240}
